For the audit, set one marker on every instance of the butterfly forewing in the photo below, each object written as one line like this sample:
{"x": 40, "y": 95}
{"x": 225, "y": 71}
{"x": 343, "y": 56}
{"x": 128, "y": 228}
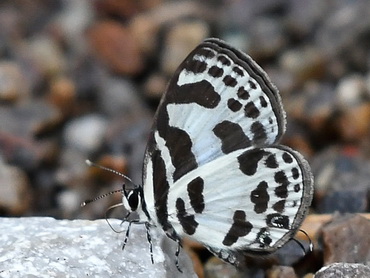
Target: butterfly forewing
{"x": 212, "y": 169}
{"x": 218, "y": 101}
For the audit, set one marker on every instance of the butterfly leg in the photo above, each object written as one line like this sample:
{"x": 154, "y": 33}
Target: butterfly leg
{"x": 147, "y": 227}
{"x": 127, "y": 235}
{"x": 177, "y": 255}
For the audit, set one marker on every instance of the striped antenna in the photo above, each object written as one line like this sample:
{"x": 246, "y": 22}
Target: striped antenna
{"x": 101, "y": 197}
{"x": 88, "y": 162}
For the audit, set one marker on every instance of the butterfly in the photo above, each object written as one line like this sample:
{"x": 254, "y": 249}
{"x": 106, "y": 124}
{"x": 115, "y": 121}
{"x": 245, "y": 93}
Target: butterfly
{"x": 213, "y": 168}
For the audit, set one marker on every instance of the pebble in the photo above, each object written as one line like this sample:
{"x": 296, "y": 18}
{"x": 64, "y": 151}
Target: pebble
{"x": 304, "y": 63}
{"x": 266, "y": 38}
{"x": 146, "y": 27}
{"x": 346, "y": 239}
{"x": 116, "y": 47}
{"x": 334, "y": 270}
{"x": 124, "y": 8}
{"x": 281, "y": 272}
{"x": 12, "y": 85}
{"x": 180, "y": 40}
{"x": 15, "y": 191}
{"x": 341, "y": 180}
{"x": 63, "y": 95}
{"x": 85, "y": 134}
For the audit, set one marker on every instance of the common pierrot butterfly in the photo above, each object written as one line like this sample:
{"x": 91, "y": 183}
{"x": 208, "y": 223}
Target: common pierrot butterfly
{"x": 213, "y": 168}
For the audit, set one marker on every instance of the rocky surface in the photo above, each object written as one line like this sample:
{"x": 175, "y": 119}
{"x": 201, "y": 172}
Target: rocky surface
{"x": 45, "y": 247}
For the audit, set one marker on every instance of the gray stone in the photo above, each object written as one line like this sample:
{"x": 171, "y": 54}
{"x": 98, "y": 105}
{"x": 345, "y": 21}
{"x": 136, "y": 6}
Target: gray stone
{"x": 344, "y": 270}
{"x": 45, "y": 247}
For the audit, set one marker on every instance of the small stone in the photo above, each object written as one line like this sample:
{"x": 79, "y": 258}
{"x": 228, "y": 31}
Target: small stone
{"x": 86, "y": 133}
{"x": 281, "y": 272}
{"x": 337, "y": 270}
{"x": 155, "y": 86}
{"x": 303, "y": 63}
{"x": 118, "y": 96}
{"x": 353, "y": 123}
{"x": 15, "y": 192}
{"x": 13, "y": 84}
{"x": 181, "y": 39}
{"x": 215, "y": 268}
{"x": 46, "y": 55}
{"x": 124, "y": 8}
{"x": 351, "y": 91}
{"x": 267, "y": 38}
{"x": 346, "y": 239}
{"x": 146, "y": 26}
{"x": 342, "y": 180}
{"x": 27, "y": 118}
{"x": 116, "y": 47}
{"x": 63, "y": 95}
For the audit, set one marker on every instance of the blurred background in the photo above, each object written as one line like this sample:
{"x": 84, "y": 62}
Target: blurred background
{"x": 82, "y": 79}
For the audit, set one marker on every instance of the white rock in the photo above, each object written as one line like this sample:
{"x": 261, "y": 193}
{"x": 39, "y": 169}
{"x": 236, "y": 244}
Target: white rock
{"x": 45, "y": 247}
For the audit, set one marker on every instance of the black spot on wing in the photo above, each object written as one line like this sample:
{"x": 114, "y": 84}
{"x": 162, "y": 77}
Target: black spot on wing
{"x": 277, "y": 220}
{"x": 297, "y": 187}
{"x": 179, "y": 144}
{"x": 234, "y": 105}
{"x": 251, "y": 111}
{"x": 232, "y": 136}
{"x": 248, "y": 160}
{"x": 242, "y": 93}
{"x": 271, "y": 161}
{"x": 201, "y": 93}
{"x": 195, "y": 192}
{"x": 263, "y": 101}
{"x": 195, "y": 66}
{"x": 229, "y": 81}
{"x": 295, "y": 173}
{"x": 281, "y": 191}
{"x": 161, "y": 188}
{"x": 252, "y": 85}
{"x": 279, "y": 206}
{"x": 239, "y": 228}
{"x": 287, "y": 158}
{"x": 263, "y": 237}
{"x": 215, "y": 71}
{"x": 259, "y": 133}
{"x": 205, "y": 53}
{"x": 260, "y": 198}
{"x": 238, "y": 71}
{"x": 224, "y": 60}
{"x": 187, "y": 221}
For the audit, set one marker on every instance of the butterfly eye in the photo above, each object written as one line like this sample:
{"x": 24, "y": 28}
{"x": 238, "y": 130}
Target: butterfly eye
{"x": 133, "y": 199}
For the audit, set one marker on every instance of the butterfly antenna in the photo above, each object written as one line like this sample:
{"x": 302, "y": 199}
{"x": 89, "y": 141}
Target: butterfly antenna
{"x": 90, "y": 163}
{"x": 101, "y": 197}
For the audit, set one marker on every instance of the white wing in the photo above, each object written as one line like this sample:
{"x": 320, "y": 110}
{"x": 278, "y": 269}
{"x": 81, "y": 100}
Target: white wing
{"x": 252, "y": 199}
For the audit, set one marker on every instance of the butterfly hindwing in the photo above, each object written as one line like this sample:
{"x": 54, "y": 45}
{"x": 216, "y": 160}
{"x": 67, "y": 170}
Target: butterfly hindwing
{"x": 256, "y": 204}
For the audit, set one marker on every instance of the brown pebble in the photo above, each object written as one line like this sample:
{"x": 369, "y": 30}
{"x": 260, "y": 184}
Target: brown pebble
{"x": 15, "y": 197}
{"x": 124, "y": 8}
{"x": 346, "y": 239}
{"x": 63, "y": 95}
{"x": 116, "y": 47}
{"x": 280, "y": 271}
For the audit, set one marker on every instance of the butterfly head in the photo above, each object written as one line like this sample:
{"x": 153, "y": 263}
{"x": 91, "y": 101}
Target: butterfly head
{"x": 131, "y": 199}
